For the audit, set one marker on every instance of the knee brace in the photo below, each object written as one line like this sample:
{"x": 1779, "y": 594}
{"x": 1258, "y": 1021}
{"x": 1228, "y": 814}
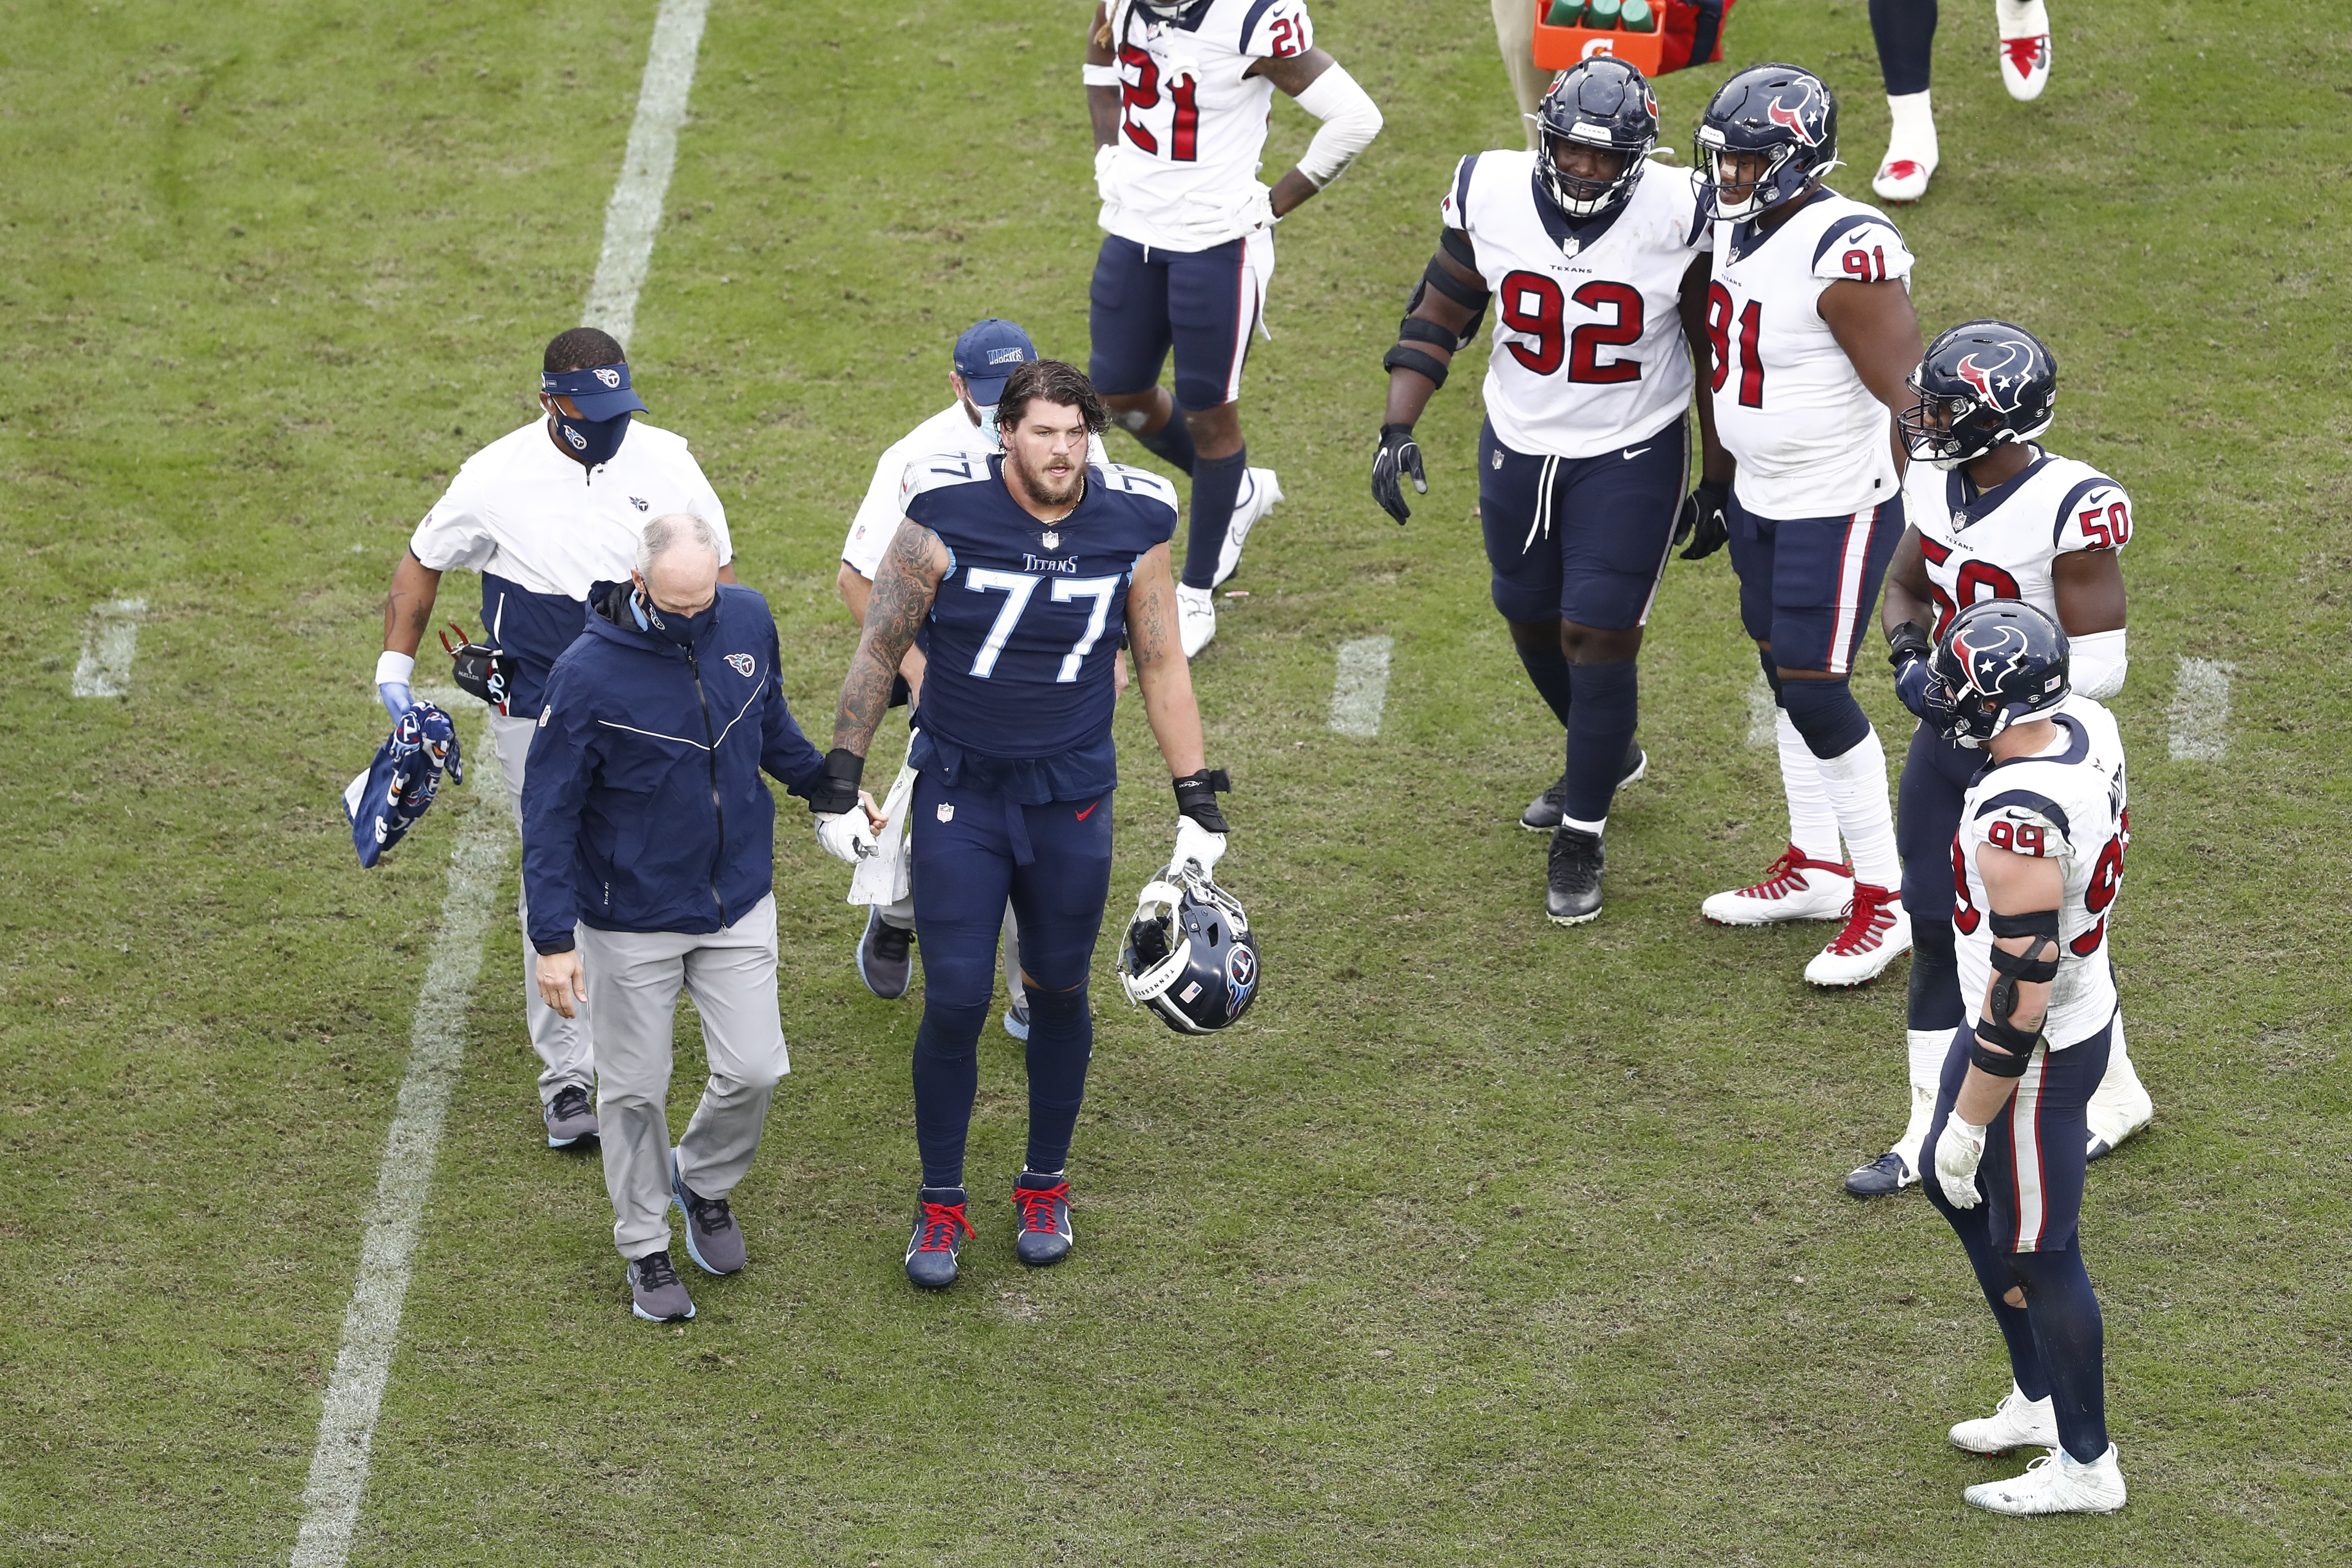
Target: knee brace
{"x": 1825, "y": 715}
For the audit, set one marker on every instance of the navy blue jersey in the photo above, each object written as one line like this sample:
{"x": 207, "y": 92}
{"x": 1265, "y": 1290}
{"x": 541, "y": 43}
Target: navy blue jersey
{"x": 1025, "y": 628}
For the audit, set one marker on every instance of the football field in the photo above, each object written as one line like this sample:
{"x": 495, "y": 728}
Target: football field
{"x": 1479, "y": 1241}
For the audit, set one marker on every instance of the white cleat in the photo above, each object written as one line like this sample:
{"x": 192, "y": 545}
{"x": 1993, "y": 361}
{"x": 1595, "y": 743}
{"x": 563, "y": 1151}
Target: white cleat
{"x": 1911, "y": 150}
{"x": 1795, "y": 889}
{"x": 2024, "y": 47}
{"x": 1876, "y": 931}
{"x": 2055, "y": 1483}
{"x": 1902, "y": 179}
{"x": 2016, "y": 1422}
{"x": 2119, "y": 1107}
{"x": 1261, "y": 494}
{"x": 1196, "y": 619}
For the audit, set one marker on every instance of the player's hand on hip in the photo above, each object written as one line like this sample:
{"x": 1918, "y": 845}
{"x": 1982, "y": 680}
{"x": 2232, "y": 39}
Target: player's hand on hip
{"x": 848, "y": 834}
{"x": 1959, "y": 1149}
{"x": 1213, "y": 219}
{"x": 1704, "y": 525}
{"x": 561, "y": 984}
{"x": 1398, "y": 459}
{"x": 1197, "y": 843}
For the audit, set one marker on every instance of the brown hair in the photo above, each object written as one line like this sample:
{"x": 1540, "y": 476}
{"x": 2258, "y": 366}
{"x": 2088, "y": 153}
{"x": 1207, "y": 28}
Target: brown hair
{"x": 1051, "y": 381}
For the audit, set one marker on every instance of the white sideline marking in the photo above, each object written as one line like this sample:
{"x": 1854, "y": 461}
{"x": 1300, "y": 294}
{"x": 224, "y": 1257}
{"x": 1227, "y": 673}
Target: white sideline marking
{"x": 634, "y": 214}
{"x": 2200, "y": 711}
{"x": 1763, "y": 728}
{"x": 108, "y": 647}
{"x": 1362, "y": 690}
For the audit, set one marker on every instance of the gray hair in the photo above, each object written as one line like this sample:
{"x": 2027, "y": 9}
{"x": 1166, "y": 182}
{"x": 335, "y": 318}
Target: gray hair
{"x": 672, "y": 529}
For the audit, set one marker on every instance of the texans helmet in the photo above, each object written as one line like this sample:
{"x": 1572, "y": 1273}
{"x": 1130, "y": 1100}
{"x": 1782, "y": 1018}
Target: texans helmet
{"x": 2001, "y": 662}
{"x": 1981, "y": 383}
{"x": 1599, "y": 102}
{"x": 1189, "y": 956}
{"x": 1784, "y": 114}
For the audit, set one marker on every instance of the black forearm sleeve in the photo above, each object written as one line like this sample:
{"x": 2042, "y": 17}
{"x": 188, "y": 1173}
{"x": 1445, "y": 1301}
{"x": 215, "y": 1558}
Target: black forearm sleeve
{"x": 836, "y": 788}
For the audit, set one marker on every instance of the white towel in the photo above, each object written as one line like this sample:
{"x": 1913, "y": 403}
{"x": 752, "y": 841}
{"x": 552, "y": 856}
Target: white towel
{"x": 882, "y": 876}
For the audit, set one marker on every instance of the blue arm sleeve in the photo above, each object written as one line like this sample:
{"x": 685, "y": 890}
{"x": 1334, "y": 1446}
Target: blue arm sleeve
{"x": 554, "y": 786}
{"x": 785, "y": 752}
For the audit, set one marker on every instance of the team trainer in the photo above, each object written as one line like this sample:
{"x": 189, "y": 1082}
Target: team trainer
{"x": 549, "y": 516}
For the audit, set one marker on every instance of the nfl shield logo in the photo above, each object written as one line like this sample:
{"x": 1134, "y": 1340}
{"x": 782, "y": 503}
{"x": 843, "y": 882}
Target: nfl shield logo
{"x": 947, "y": 811}
{"x": 1050, "y": 540}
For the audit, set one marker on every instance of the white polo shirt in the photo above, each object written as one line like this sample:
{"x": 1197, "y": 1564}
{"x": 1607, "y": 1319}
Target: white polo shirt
{"x": 949, "y": 430}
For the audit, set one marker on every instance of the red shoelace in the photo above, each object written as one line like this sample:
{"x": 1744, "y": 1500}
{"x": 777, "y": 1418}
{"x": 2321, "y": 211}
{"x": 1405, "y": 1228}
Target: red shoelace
{"x": 1780, "y": 880}
{"x": 1037, "y": 1205}
{"x": 1867, "y": 920}
{"x": 940, "y": 1223}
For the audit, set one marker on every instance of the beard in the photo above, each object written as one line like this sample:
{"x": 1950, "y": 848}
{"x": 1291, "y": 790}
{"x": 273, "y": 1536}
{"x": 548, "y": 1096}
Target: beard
{"x": 1050, "y": 481}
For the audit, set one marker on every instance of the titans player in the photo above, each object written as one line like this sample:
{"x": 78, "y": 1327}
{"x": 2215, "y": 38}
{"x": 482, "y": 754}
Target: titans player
{"x": 1022, "y": 571}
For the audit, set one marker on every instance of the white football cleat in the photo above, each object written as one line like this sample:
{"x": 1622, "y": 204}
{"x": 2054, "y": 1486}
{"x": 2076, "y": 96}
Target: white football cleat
{"x": 2119, "y": 1107}
{"x": 1795, "y": 889}
{"x": 1196, "y": 619}
{"x": 1911, "y": 150}
{"x": 1902, "y": 180}
{"x": 2016, "y": 1422}
{"x": 1263, "y": 493}
{"x": 2024, "y": 47}
{"x": 1876, "y": 931}
{"x": 2055, "y": 1483}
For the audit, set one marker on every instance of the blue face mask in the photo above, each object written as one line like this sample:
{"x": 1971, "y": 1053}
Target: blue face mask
{"x": 590, "y": 442}
{"x": 987, "y": 412}
{"x": 681, "y": 629}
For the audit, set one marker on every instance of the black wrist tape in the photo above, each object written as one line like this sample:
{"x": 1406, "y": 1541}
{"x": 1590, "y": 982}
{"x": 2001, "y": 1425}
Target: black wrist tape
{"x": 835, "y": 790}
{"x": 1907, "y": 642}
{"x": 1196, "y": 797}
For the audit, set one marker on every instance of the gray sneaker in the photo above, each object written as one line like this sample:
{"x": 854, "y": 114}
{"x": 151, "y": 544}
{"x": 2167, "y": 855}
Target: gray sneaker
{"x": 713, "y": 1239}
{"x": 1016, "y": 1022}
{"x": 882, "y": 960}
{"x": 571, "y": 1116}
{"x": 656, "y": 1292}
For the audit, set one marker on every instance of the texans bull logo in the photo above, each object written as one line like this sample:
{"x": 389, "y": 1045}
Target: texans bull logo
{"x": 1988, "y": 652}
{"x": 2000, "y": 379}
{"x": 1800, "y": 115}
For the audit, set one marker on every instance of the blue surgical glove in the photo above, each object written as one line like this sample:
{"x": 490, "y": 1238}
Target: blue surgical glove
{"x": 395, "y": 697}
{"x": 392, "y": 673}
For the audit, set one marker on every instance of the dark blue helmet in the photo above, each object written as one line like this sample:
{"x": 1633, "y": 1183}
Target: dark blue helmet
{"x": 1189, "y": 956}
{"x": 1784, "y": 114}
{"x": 1599, "y": 102}
{"x": 2001, "y": 662}
{"x": 1980, "y": 384}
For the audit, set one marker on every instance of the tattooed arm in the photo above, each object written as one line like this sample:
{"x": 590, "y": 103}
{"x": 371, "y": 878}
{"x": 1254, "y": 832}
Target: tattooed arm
{"x": 903, "y": 585}
{"x": 1160, "y": 666}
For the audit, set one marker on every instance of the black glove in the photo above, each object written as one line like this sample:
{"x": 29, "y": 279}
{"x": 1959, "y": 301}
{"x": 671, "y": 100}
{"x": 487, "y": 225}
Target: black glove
{"x": 1399, "y": 457}
{"x": 835, "y": 790}
{"x": 1196, "y": 797}
{"x": 1908, "y": 651}
{"x": 1701, "y": 526}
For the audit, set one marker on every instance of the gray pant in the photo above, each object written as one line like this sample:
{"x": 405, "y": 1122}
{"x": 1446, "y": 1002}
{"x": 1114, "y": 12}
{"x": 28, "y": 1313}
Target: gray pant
{"x": 562, "y": 1043}
{"x": 633, "y": 983}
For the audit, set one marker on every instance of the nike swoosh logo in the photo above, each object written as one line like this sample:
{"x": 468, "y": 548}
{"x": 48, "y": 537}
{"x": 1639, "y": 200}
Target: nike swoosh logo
{"x": 1088, "y": 812}
{"x": 1636, "y": 452}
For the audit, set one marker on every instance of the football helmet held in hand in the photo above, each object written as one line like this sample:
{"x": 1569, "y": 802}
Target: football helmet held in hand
{"x": 1189, "y": 956}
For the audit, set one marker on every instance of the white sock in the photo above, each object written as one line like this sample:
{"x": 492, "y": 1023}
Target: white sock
{"x": 1812, "y": 824}
{"x": 1592, "y": 827}
{"x": 1929, "y": 1048}
{"x": 1855, "y": 783}
{"x": 2020, "y": 19}
{"x": 1914, "y": 132}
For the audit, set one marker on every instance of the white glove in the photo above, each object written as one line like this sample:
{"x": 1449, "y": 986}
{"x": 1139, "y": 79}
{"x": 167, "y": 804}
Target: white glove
{"x": 1216, "y": 220}
{"x": 1106, "y": 188}
{"x": 1181, "y": 68}
{"x": 845, "y": 836}
{"x": 1959, "y": 1149}
{"x": 1196, "y": 843}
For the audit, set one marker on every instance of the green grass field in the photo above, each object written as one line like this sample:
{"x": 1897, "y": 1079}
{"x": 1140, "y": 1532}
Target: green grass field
{"x": 1481, "y": 1241}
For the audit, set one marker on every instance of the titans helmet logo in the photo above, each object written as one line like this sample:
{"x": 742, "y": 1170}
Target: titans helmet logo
{"x": 1796, "y": 109}
{"x": 1999, "y": 377}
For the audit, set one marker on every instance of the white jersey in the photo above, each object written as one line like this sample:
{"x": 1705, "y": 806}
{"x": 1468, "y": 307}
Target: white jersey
{"x": 521, "y": 509}
{"x": 1589, "y": 354}
{"x": 1811, "y": 439}
{"x": 949, "y": 430}
{"x": 2066, "y": 804}
{"x": 1191, "y": 122}
{"x": 2001, "y": 545}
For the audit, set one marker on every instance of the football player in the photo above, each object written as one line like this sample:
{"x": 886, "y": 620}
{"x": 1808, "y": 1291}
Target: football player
{"x": 1992, "y": 516}
{"x": 1180, "y": 93}
{"x": 2037, "y": 864}
{"x": 1905, "y": 31}
{"x": 1023, "y": 570}
{"x": 1811, "y": 337}
{"x": 1598, "y": 285}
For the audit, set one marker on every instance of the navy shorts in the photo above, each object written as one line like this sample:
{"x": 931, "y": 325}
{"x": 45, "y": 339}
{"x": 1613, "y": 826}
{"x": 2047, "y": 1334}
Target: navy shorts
{"x": 1204, "y": 304}
{"x": 1583, "y": 539}
{"x": 974, "y": 847}
{"x": 1935, "y": 778}
{"x": 2036, "y": 1151}
{"x": 1808, "y": 585}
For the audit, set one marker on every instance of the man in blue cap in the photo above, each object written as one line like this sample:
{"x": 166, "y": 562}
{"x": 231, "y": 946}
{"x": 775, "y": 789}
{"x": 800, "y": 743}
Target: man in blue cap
{"x": 550, "y": 515}
{"x": 987, "y": 352}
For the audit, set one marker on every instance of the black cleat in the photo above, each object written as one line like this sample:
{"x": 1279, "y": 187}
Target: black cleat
{"x": 1882, "y": 1178}
{"x": 1573, "y": 894}
{"x": 1544, "y": 812}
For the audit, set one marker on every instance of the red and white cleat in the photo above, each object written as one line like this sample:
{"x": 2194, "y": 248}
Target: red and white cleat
{"x": 2024, "y": 47}
{"x": 1876, "y": 931}
{"x": 1902, "y": 180}
{"x": 1795, "y": 889}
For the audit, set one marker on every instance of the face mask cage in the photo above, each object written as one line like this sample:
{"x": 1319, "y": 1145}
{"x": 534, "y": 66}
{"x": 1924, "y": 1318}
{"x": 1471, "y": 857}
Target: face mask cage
{"x": 1957, "y": 437}
{"x": 1767, "y": 192}
{"x": 1580, "y": 197}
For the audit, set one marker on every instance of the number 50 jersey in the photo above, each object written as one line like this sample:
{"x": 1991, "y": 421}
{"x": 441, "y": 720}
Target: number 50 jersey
{"x": 1589, "y": 354}
{"x": 2001, "y": 543}
{"x": 1026, "y": 626}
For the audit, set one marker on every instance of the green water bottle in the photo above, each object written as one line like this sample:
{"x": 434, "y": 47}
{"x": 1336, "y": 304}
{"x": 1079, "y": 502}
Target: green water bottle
{"x": 1600, "y": 16}
{"x": 1564, "y": 13}
{"x": 1635, "y": 17}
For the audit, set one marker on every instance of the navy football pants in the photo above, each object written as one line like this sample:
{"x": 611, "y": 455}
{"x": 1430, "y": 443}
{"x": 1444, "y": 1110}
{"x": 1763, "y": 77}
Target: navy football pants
{"x": 1935, "y": 778}
{"x": 1808, "y": 585}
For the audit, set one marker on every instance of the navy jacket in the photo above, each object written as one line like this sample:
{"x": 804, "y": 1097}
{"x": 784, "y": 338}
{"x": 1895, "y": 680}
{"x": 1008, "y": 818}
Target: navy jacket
{"x": 642, "y": 804}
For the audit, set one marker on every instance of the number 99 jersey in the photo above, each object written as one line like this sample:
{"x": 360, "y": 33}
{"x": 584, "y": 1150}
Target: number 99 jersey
{"x": 2068, "y": 805}
{"x": 2000, "y": 544}
{"x": 1026, "y": 626}
{"x": 1588, "y": 354}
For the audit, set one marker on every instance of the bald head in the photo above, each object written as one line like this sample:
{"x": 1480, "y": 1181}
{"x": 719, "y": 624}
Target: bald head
{"x": 677, "y": 562}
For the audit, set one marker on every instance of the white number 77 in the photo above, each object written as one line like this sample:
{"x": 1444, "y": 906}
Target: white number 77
{"x": 1016, "y": 587}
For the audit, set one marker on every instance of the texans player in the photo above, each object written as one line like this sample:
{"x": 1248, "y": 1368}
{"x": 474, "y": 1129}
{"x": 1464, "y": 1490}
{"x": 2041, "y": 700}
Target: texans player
{"x": 2037, "y": 866}
{"x": 1022, "y": 570}
{"x": 1597, "y": 282}
{"x": 1905, "y": 31}
{"x": 1180, "y": 92}
{"x": 1993, "y": 516}
{"x": 1810, "y": 337}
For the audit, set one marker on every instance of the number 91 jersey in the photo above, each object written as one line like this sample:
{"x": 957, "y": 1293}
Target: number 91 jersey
{"x": 1589, "y": 354}
{"x": 1026, "y": 626}
{"x": 2001, "y": 543}
{"x": 2070, "y": 805}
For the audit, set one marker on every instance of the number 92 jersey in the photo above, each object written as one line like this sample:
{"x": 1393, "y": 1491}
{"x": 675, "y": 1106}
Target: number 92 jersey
{"x": 2068, "y": 805}
{"x": 1588, "y": 355}
{"x": 2001, "y": 545}
{"x": 1025, "y": 627}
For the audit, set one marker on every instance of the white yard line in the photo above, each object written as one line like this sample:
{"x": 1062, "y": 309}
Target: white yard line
{"x": 108, "y": 646}
{"x": 1361, "y": 689}
{"x": 1763, "y": 728}
{"x": 2200, "y": 712}
{"x": 634, "y": 215}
